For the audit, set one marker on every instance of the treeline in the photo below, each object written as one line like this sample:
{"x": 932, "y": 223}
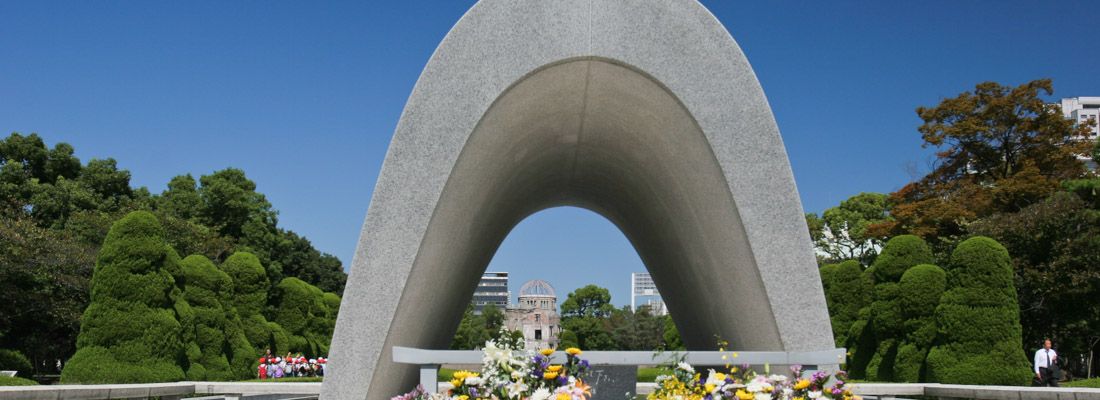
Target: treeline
{"x": 156, "y": 318}
{"x": 588, "y": 321}
{"x": 55, "y": 213}
{"x": 1010, "y": 167}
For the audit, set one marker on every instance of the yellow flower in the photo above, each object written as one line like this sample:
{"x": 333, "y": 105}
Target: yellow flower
{"x": 549, "y": 375}
{"x": 463, "y": 397}
{"x": 547, "y": 352}
{"x": 554, "y": 368}
{"x": 573, "y": 351}
{"x": 461, "y": 374}
{"x": 456, "y": 382}
{"x": 710, "y": 387}
{"x": 564, "y": 396}
{"x": 743, "y": 395}
{"x": 734, "y": 370}
{"x": 801, "y": 384}
{"x": 719, "y": 376}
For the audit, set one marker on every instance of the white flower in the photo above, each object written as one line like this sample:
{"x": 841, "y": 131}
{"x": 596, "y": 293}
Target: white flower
{"x": 517, "y": 374}
{"x": 686, "y": 367}
{"x": 778, "y": 378}
{"x": 474, "y": 381}
{"x": 540, "y": 394}
{"x": 516, "y": 390}
{"x": 763, "y": 396}
{"x": 662, "y": 378}
{"x": 816, "y": 394}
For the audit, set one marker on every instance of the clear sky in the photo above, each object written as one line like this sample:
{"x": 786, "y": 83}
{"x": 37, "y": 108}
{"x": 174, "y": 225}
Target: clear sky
{"x": 304, "y": 96}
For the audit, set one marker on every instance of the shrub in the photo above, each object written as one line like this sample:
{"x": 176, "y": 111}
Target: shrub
{"x": 130, "y": 332}
{"x": 15, "y": 381}
{"x": 11, "y": 360}
{"x": 302, "y": 310}
{"x": 248, "y": 297}
{"x": 205, "y": 291}
{"x": 899, "y": 254}
{"x": 920, "y": 290}
{"x": 846, "y": 295}
{"x": 978, "y": 320}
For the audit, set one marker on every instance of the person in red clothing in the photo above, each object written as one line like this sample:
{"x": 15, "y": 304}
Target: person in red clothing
{"x": 263, "y": 369}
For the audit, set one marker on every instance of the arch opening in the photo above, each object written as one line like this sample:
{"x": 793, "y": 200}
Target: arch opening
{"x": 598, "y": 135}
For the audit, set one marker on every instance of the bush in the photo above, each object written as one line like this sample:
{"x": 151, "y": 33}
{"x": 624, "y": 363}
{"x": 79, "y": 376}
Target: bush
{"x": 248, "y": 297}
{"x": 11, "y": 360}
{"x": 978, "y": 320}
{"x": 130, "y": 332}
{"x": 206, "y": 292}
{"x": 921, "y": 287}
{"x": 302, "y": 310}
{"x": 847, "y": 294}
{"x": 15, "y": 381}
{"x": 899, "y": 254}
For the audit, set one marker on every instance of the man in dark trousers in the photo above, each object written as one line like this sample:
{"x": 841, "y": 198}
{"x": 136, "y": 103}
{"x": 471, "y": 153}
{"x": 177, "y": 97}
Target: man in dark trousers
{"x": 1046, "y": 365}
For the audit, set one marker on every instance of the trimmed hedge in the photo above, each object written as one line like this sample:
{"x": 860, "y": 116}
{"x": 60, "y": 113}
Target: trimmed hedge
{"x": 921, "y": 287}
{"x": 302, "y": 310}
{"x": 248, "y": 297}
{"x": 11, "y": 360}
{"x": 210, "y": 349}
{"x": 979, "y": 338}
{"x": 15, "y": 381}
{"x": 899, "y": 254}
{"x": 130, "y": 333}
{"x": 846, "y": 293}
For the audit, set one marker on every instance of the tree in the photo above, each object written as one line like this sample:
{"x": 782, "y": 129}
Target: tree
{"x": 899, "y": 254}
{"x": 181, "y": 199}
{"x": 589, "y": 301}
{"x": 636, "y": 330}
{"x": 301, "y": 310}
{"x": 978, "y": 319}
{"x": 1000, "y": 149}
{"x": 1055, "y": 249}
{"x": 842, "y": 233}
{"x": 471, "y": 333}
{"x": 130, "y": 332}
{"x": 672, "y": 335}
{"x": 921, "y": 287}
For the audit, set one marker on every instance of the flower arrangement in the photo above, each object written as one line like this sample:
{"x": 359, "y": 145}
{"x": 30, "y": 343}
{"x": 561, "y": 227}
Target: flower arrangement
{"x": 744, "y": 384}
{"x": 510, "y": 372}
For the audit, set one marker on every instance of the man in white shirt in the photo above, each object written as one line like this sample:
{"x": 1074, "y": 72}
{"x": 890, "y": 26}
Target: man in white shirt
{"x": 1046, "y": 361}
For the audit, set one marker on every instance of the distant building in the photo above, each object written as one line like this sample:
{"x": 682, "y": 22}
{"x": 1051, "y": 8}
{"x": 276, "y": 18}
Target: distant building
{"x": 643, "y": 288}
{"x": 1083, "y": 110}
{"x": 536, "y": 315}
{"x": 492, "y": 289}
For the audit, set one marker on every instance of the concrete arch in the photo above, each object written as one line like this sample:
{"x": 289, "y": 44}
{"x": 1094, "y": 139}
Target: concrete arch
{"x": 644, "y": 112}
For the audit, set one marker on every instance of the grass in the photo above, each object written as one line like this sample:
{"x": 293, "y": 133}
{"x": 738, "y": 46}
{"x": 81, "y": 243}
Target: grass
{"x": 16, "y": 381}
{"x": 1085, "y": 383}
{"x": 292, "y": 379}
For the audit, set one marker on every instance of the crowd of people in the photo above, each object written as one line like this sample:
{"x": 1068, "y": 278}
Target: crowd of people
{"x": 290, "y": 366}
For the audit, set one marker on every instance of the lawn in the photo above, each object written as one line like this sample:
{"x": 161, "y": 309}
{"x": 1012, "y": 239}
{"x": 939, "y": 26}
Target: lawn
{"x": 1087, "y": 383}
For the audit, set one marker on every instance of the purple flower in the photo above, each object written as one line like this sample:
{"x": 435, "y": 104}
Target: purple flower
{"x": 473, "y": 392}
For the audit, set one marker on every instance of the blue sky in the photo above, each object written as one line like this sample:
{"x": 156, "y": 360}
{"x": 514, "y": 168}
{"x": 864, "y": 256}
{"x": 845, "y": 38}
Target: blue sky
{"x": 304, "y": 96}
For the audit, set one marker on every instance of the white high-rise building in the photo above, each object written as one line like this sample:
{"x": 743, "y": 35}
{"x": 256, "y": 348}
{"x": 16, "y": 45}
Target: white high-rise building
{"x": 1084, "y": 110}
{"x": 642, "y": 288}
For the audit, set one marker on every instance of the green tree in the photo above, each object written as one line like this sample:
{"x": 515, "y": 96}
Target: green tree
{"x": 978, "y": 319}
{"x": 842, "y": 233}
{"x": 130, "y": 332}
{"x": 672, "y": 335}
{"x": 899, "y": 254}
{"x": 1055, "y": 249}
{"x": 921, "y": 287}
{"x": 589, "y": 301}
{"x": 301, "y": 309}
{"x": 471, "y": 333}
{"x": 181, "y": 199}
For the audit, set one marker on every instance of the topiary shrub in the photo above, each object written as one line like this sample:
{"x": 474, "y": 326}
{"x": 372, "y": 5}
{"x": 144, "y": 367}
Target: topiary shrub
{"x": 861, "y": 342}
{"x": 248, "y": 297}
{"x": 978, "y": 319}
{"x": 301, "y": 310}
{"x": 846, "y": 294}
{"x": 920, "y": 290}
{"x": 130, "y": 333}
{"x": 11, "y": 360}
{"x": 206, "y": 292}
{"x": 899, "y": 254}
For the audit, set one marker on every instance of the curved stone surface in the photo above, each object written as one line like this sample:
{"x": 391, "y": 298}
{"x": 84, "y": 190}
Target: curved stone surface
{"x": 645, "y": 112}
